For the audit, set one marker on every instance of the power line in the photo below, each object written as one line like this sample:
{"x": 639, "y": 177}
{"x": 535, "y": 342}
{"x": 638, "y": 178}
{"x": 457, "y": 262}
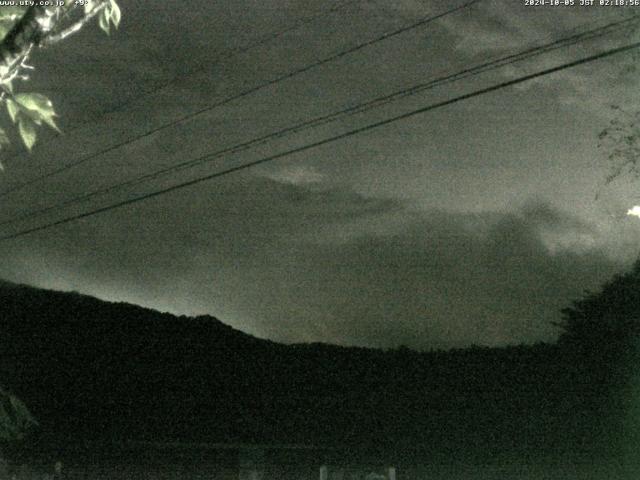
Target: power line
{"x": 359, "y": 108}
{"x": 289, "y": 75}
{"x": 259, "y": 42}
{"x": 326, "y": 141}
{"x": 226, "y": 55}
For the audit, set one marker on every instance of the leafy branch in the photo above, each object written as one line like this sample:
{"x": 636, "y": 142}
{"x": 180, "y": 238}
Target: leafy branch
{"x": 23, "y": 29}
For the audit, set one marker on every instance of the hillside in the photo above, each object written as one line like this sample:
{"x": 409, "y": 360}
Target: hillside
{"x": 91, "y": 369}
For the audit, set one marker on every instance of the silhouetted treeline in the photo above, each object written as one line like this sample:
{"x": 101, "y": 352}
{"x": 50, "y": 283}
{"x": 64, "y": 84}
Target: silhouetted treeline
{"x": 90, "y": 369}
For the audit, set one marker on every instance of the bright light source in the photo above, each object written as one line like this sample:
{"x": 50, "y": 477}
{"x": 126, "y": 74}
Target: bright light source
{"x": 634, "y": 211}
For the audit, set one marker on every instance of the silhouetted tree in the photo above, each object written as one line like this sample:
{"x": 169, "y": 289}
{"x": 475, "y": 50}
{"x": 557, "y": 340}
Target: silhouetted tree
{"x": 601, "y": 333}
{"x": 606, "y": 320}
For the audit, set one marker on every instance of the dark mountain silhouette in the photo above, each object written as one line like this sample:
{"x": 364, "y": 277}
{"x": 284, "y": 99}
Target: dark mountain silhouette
{"x": 95, "y": 370}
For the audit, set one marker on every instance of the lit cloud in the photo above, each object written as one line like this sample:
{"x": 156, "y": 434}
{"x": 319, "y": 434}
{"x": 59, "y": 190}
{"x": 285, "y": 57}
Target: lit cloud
{"x": 635, "y": 211}
{"x": 296, "y": 175}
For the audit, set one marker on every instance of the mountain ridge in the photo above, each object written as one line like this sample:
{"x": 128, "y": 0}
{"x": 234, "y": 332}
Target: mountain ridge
{"x": 88, "y": 375}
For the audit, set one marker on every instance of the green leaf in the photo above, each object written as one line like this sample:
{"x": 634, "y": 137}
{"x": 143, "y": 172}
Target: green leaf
{"x": 38, "y": 107}
{"x": 13, "y": 109}
{"x": 35, "y": 101}
{"x": 27, "y": 132}
{"x": 52, "y": 123}
{"x": 89, "y": 5}
{"x": 103, "y": 21}
{"x": 115, "y": 13}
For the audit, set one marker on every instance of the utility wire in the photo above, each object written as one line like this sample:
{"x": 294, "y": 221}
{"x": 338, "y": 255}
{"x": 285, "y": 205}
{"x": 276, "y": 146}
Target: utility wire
{"x": 356, "y": 109}
{"x": 225, "y": 55}
{"x": 286, "y": 76}
{"x": 259, "y": 42}
{"x": 309, "y": 146}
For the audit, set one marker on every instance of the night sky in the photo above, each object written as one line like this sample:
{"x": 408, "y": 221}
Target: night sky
{"x": 471, "y": 224}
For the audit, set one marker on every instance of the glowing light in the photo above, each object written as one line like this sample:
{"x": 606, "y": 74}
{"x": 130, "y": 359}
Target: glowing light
{"x": 635, "y": 211}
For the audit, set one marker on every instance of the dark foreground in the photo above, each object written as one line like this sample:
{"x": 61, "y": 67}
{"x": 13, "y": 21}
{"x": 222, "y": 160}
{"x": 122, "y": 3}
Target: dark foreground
{"x": 174, "y": 461}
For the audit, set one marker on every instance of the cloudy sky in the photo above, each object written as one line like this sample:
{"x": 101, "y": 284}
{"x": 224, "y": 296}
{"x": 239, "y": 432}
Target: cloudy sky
{"x": 473, "y": 223}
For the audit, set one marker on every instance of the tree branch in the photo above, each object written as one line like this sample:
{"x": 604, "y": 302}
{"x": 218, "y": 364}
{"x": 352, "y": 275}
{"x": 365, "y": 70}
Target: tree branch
{"x": 35, "y": 28}
{"x": 25, "y": 34}
{"x": 28, "y": 31}
{"x": 76, "y": 27}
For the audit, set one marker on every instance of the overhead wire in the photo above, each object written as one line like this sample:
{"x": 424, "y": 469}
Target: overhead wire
{"x": 331, "y": 58}
{"x": 501, "y": 62}
{"x": 225, "y": 55}
{"x": 309, "y": 146}
{"x": 231, "y": 53}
